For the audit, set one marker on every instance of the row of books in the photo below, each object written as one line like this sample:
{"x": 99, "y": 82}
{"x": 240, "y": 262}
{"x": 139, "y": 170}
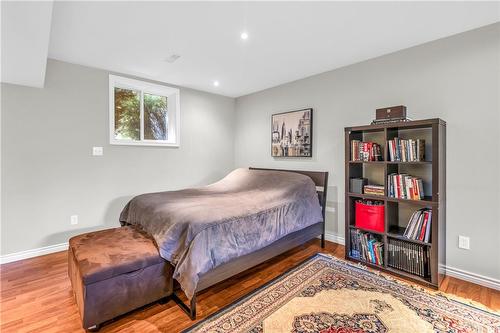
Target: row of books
{"x": 374, "y": 189}
{"x": 366, "y": 247}
{"x": 419, "y": 225}
{"x": 409, "y": 257}
{"x": 365, "y": 151}
{"x": 406, "y": 150}
{"x": 403, "y": 186}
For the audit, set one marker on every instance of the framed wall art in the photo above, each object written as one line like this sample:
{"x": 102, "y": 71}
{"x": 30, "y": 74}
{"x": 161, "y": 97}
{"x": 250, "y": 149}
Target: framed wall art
{"x": 291, "y": 133}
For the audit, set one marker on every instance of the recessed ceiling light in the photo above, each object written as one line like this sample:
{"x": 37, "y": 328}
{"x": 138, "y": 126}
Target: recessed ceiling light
{"x": 244, "y": 35}
{"x": 216, "y": 83}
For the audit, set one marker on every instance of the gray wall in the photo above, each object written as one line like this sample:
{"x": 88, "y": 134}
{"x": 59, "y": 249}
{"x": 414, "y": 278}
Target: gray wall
{"x": 48, "y": 172}
{"x": 456, "y": 79}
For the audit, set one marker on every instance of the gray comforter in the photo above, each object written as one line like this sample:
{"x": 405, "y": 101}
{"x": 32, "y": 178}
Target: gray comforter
{"x": 201, "y": 228}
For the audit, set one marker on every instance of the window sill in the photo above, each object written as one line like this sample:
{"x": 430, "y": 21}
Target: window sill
{"x": 145, "y": 143}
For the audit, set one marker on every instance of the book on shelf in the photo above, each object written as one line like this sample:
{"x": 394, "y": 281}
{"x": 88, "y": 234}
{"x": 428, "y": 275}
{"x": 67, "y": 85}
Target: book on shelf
{"x": 406, "y": 150}
{"x": 374, "y": 189}
{"x": 365, "y": 246}
{"x": 419, "y": 225}
{"x": 403, "y": 186}
{"x": 365, "y": 151}
{"x": 409, "y": 257}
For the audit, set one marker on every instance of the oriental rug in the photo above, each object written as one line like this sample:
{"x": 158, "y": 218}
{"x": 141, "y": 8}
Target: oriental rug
{"x": 329, "y": 295}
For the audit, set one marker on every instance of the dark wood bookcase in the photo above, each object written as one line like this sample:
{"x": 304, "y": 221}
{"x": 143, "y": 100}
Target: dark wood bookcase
{"x": 398, "y": 211}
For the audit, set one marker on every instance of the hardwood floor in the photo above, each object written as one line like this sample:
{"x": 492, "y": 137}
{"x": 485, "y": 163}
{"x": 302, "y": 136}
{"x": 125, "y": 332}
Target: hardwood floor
{"x": 36, "y": 295}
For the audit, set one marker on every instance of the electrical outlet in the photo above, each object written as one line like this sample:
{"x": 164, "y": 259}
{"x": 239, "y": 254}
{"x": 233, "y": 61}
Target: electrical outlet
{"x": 464, "y": 242}
{"x": 74, "y": 219}
{"x": 97, "y": 151}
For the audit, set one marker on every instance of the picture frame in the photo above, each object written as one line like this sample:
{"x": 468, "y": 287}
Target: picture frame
{"x": 292, "y": 133}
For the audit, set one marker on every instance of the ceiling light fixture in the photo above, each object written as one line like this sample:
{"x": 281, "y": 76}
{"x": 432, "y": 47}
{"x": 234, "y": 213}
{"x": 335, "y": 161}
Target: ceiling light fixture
{"x": 216, "y": 83}
{"x": 244, "y": 35}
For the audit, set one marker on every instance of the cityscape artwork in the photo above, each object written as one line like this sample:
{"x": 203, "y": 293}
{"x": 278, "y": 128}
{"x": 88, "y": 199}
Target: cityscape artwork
{"x": 292, "y": 134}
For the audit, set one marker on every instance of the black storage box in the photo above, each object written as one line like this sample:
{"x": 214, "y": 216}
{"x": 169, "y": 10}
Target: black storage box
{"x": 356, "y": 185}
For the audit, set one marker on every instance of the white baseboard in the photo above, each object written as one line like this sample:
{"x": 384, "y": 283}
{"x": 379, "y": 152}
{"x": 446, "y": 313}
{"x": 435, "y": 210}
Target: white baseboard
{"x": 330, "y": 236}
{"x": 11, "y": 257}
{"x": 481, "y": 280}
{"x": 4, "y": 259}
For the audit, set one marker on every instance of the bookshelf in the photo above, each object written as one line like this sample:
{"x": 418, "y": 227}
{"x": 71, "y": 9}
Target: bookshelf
{"x": 432, "y": 171}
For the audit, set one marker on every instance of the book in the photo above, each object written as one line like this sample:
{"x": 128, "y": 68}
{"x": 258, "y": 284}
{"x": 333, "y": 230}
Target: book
{"x": 374, "y": 189}
{"x": 424, "y": 226}
{"x": 409, "y": 257}
{"x": 419, "y": 225}
{"x": 366, "y": 247}
{"x": 404, "y": 186}
{"x": 365, "y": 151}
{"x": 406, "y": 150}
{"x": 428, "y": 227}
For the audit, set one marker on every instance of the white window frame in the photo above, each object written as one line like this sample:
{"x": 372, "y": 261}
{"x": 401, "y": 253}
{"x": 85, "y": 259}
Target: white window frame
{"x": 173, "y": 111}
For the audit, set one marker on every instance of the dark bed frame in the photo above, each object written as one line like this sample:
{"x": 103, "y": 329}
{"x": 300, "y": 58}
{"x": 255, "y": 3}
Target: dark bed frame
{"x": 250, "y": 260}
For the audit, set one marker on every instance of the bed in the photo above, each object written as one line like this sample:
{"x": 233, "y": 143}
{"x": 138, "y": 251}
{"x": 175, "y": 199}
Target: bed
{"x": 214, "y": 232}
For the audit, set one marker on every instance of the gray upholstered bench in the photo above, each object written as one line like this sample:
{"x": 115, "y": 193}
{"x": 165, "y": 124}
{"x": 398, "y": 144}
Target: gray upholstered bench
{"x": 115, "y": 271}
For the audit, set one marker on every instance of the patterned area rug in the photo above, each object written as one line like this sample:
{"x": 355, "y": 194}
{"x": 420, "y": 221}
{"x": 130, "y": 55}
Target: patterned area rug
{"x": 329, "y": 295}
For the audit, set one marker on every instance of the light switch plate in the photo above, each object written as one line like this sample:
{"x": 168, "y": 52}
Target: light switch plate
{"x": 464, "y": 242}
{"x": 97, "y": 151}
{"x": 330, "y": 209}
{"x": 74, "y": 219}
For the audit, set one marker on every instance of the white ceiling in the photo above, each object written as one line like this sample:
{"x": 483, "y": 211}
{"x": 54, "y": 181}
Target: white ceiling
{"x": 287, "y": 40}
{"x": 25, "y": 41}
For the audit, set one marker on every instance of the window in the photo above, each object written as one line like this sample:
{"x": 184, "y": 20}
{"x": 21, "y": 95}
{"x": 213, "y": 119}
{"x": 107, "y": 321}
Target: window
{"x": 143, "y": 113}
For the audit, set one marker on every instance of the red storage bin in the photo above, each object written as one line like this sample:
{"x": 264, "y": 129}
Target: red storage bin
{"x": 370, "y": 217}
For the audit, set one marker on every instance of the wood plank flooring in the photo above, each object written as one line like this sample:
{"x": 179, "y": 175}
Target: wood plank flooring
{"x": 36, "y": 295}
